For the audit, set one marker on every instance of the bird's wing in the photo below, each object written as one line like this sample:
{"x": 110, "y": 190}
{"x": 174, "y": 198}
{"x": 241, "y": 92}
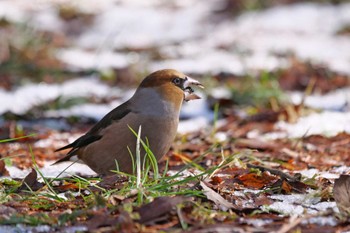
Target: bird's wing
{"x": 82, "y": 141}
{"x": 94, "y": 133}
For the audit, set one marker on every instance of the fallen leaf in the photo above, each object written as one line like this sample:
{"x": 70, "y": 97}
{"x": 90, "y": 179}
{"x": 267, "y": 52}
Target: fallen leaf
{"x": 286, "y": 187}
{"x": 216, "y": 180}
{"x": 3, "y": 171}
{"x": 6, "y": 211}
{"x": 31, "y": 182}
{"x": 110, "y": 182}
{"x": 221, "y": 202}
{"x": 294, "y": 165}
{"x": 66, "y": 187}
{"x": 263, "y": 116}
{"x": 252, "y": 180}
{"x": 182, "y": 157}
{"x": 159, "y": 207}
{"x": 255, "y": 144}
{"x": 262, "y": 200}
{"x": 101, "y": 218}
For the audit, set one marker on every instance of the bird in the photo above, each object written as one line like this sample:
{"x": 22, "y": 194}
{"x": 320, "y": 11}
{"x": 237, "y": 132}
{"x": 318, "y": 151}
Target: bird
{"x": 155, "y": 106}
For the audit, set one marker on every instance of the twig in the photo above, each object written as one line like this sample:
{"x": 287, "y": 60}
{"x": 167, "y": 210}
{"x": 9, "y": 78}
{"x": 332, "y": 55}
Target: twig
{"x": 275, "y": 172}
{"x": 293, "y": 222}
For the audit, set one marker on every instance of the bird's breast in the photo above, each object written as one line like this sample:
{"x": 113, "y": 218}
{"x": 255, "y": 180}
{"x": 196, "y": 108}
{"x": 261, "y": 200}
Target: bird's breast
{"x": 149, "y": 102}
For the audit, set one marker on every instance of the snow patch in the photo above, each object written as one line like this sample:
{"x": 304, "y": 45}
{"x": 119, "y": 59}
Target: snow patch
{"x": 337, "y": 100}
{"x": 325, "y": 123}
{"x": 26, "y": 97}
{"x": 81, "y": 59}
{"x": 53, "y": 171}
{"x": 300, "y": 204}
{"x": 192, "y": 125}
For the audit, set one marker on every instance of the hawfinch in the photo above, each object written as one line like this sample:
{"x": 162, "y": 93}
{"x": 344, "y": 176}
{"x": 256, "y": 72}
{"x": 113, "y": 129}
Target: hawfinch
{"x": 155, "y": 106}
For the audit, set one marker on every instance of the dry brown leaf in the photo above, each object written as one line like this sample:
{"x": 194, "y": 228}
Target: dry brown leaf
{"x": 3, "y": 171}
{"x": 102, "y": 219}
{"x": 221, "y": 202}
{"x": 31, "y": 182}
{"x": 294, "y": 165}
{"x": 255, "y": 144}
{"x": 159, "y": 207}
{"x": 216, "y": 180}
{"x": 252, "y": 180}
{"x": 68, "y": 186}
{"x": 6, "y": 211}
{"x": 289, "y": 186}
{"x": 286, "y": 187}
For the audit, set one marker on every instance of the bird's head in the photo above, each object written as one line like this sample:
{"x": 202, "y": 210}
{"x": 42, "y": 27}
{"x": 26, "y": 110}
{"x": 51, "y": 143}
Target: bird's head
{"x": 171, "y": 85}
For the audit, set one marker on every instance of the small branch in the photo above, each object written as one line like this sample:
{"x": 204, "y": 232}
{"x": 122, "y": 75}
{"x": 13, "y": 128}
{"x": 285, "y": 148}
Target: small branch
{"x": 275, "y": 172}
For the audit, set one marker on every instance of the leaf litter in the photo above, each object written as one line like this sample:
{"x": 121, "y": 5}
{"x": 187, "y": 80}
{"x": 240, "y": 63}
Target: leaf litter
{"x": 243, "y": 173}
{"x": 258, "y": 181}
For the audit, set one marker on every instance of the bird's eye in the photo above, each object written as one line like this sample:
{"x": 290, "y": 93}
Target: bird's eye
{"x": 177, "y": 81}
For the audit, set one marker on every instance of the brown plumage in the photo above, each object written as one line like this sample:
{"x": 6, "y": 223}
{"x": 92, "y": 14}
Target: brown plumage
{"x": 155, "y": 106}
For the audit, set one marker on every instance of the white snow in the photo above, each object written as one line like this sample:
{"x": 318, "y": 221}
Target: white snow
{"x": 120, "y": 28}
{"x": 197, "y": 108}
{"x": 189, "y": 39}
{"x": 300, "y": 204}
{"x": 30, "y": 95}
{"x": 221, "y": 137}
{"x": 306, "y": 29}
{"x": 284, "y": 208}
{"x": 54, "y": 170}
{"x": 93, "y": 111}
{"x": 324, "y": 123}
{"x": 192, "y": 125}
{"x": 81, "y": 59}
{"x": 321, "y": 220}
{"x": 333, "y": 101}
{"x": 306, "y": 199}
{"x": 258, "y": 222}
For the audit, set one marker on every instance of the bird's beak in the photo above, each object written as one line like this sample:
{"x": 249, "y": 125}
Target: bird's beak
{"x": 189, "y": 92}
